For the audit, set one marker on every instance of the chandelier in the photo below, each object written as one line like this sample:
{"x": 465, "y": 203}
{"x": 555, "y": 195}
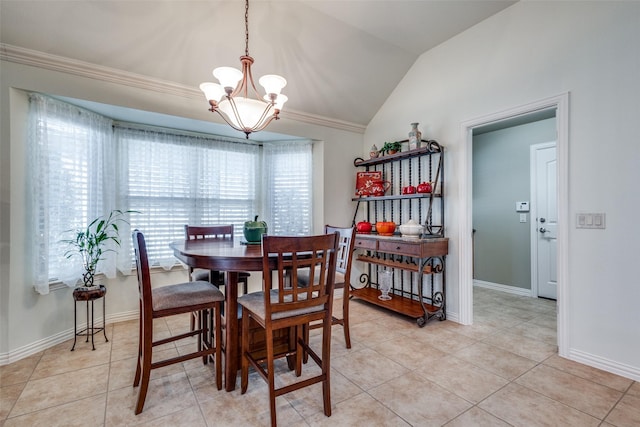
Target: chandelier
{"x": 230, "y": 99}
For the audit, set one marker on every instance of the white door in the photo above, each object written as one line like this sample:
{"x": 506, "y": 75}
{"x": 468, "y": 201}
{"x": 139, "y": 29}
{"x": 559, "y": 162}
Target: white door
{"x": 544, "y": 219}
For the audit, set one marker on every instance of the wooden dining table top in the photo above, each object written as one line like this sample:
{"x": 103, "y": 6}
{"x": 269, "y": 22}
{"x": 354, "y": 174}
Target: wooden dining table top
{"x": 219, "y": 254}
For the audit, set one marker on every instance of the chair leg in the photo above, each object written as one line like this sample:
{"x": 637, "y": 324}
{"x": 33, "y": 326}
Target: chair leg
{"x": 305, "y": 333}
{"x": 271, "y": 376}
{"x": 345, "y": 319}
{"x": 136, "y": 380}
{"x": 217, "y": 341}
{"x": 147, "y": 345}
{"x": 326, "y": 371}
{"x": 204, "y": 337}
{"x": 244, "y": 376}
{"x": 302, "y": 333}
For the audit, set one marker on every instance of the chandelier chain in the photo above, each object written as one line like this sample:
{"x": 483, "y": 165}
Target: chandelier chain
{"x": 246, "y": 28}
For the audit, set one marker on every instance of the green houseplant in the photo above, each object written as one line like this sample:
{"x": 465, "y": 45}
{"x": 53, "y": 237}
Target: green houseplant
{"x": 391, "y": 147}
{"x": 89, "y": 244}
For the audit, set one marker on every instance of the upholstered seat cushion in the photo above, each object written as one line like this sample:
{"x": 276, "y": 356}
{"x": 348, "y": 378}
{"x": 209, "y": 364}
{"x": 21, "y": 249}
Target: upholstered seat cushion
{"x": 185, "y": 295}
{"x": 303, "y": 278}
{"x": 254, "y": 302}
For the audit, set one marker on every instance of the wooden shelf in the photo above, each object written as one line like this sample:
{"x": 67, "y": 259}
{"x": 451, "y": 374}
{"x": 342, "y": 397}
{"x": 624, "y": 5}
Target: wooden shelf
{"x": 397, "y": 303}
{"x": 393, "y": 264}
{"x": 432, "y": 147}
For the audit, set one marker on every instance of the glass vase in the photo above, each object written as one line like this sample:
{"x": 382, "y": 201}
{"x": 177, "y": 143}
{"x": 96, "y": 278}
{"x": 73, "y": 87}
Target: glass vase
{"x": 385, "y": 278}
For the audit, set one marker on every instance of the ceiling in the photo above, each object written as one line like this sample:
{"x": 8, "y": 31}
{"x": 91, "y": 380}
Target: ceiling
{"x": 342, "y": 59}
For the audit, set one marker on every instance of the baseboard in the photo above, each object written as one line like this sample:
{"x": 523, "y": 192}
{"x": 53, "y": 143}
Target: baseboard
{"x": 123, "y": 317}
{"x": 35, "y": 347}
{"x": 453, "y": 317}
{"x": 627, "y": 371}
{"x": 503, "y": 288}
{"x": 43, "y": 344}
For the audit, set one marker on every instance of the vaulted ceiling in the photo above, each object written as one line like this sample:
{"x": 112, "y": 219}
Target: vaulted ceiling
{"x": 341, "y": 58}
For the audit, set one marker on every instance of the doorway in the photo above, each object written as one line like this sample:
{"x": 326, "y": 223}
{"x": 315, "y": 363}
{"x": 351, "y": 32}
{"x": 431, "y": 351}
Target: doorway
{"x": 503, "y": 206}
{"x": 465, "y": 205}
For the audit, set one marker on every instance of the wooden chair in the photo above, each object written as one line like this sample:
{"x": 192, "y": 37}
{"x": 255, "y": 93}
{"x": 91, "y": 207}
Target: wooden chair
{"x": 213, "y": 232}
{"x": 194, "y": 232}
{"x": 291, "y": 306}
{"x": 343, "y": 276}
{"x": 172, "y": 300}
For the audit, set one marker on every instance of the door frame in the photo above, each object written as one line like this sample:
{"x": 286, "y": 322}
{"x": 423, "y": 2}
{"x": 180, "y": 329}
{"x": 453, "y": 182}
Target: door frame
{"x": 464, "y": 205}
{"x": 534, "y": 212}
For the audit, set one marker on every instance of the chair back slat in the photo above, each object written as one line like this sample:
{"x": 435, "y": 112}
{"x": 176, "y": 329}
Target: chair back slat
{"x": 293, "y": 254}
{"x": 195, "y": 232}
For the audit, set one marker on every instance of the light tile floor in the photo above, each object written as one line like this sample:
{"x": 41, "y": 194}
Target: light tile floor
{"x": 503, "y": 370}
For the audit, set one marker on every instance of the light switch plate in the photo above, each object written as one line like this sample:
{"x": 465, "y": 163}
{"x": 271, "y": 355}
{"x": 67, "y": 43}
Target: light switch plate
{"x": 523, "y": 217}
{"x": 591, "y": 220}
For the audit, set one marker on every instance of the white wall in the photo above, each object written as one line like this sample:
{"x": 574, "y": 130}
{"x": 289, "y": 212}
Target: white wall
{"x": 528, "y": 52}
{"x": 30, "y": 322}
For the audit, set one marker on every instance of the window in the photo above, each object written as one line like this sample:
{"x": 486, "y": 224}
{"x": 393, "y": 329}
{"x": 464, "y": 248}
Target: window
{"x": 174, "y": 180}
{"x": 288, "y": 192}
{"x": 83, "y": 165}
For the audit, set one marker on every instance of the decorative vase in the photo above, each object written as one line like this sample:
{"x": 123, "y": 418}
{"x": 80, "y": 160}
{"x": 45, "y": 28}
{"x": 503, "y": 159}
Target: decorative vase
{"x": 385, "y": 277}
{"x": 253, "y": 230}
{"x": 373, "y": 153}
{"x": 415, "y": 136}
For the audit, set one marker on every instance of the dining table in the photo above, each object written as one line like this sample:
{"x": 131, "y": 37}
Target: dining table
{"x": 231, "y": 256}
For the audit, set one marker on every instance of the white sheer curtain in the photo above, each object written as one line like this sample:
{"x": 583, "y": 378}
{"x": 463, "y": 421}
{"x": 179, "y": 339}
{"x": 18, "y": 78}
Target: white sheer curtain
{"x": 288, "y": 171}
{"x": 82, "y": 165}
{"x": 173, "y": 180}
{"x": 70, "y": 157}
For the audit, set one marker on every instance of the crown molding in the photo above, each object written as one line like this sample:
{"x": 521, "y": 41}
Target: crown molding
{"x": 21, "y": 55}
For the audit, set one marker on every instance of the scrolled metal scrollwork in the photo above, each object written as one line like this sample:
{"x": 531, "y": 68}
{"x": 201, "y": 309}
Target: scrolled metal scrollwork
{"x": 364, "y": 279}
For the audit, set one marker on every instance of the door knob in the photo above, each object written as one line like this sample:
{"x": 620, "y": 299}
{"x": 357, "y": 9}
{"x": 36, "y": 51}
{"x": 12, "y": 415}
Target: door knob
{"x": 542, "y": 220}
{"x": 543, "y": 230}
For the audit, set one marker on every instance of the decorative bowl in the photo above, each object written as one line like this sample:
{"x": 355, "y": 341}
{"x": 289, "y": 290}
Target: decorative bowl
{"x": 385, "y": 228}
{"x": 411, "y": 229}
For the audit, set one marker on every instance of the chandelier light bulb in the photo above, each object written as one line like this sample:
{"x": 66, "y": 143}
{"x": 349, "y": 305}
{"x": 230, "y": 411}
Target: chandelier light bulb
{"x": 228, "y": 77}
{"x": 212, "y": 91}
{"x": 278, "y": 102}
{"x": 272, "y": 83}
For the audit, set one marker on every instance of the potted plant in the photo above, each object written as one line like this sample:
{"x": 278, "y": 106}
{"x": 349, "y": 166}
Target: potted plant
{"x": 90, "y": 243}
{"x": 391, "y": 147}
